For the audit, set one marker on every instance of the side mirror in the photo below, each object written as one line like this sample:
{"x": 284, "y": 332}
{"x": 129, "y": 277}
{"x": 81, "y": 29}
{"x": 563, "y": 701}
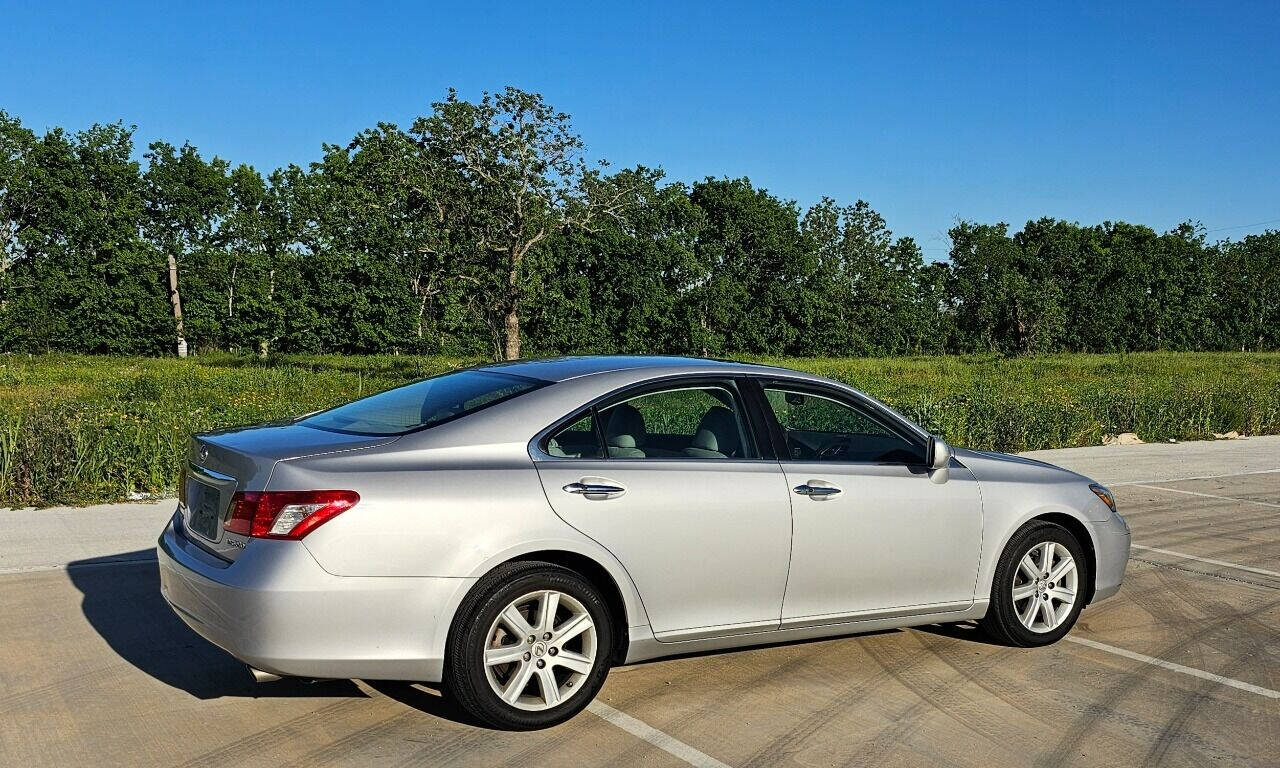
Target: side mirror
{"x": 939, "y": 453}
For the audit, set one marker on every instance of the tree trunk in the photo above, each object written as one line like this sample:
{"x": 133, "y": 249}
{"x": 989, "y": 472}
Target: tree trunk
{"x": 511, "y": 321}
{"x": 424, "y": 295}
{"x": 231, "y": 292}
{"x": 4, "y": 261}
{"x": 176, "y": 301}
{"x": 264, "y": 344}
{"x": 7, "y": 236}
{"x": 512, "y": 327}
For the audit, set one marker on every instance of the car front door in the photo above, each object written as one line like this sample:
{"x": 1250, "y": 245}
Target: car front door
{"x": 670, "y": 480}
{"x": 875, "y": 532}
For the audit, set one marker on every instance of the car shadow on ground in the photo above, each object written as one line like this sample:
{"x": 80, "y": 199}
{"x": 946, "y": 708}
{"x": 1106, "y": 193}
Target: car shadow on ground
{"x": 427, "y": 698}
{"x": 965, "y": 630}
{"x": 122, "y": 602}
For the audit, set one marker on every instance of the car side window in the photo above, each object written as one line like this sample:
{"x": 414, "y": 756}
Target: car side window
{"x": 821, "y": 428}
{"x": 685, "y": 422}
{"x": 579, "y": 440}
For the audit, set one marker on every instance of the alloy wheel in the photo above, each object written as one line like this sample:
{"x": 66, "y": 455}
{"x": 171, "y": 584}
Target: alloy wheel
{"x": 539, "y": 649}
{"x": 1045, "y": 587}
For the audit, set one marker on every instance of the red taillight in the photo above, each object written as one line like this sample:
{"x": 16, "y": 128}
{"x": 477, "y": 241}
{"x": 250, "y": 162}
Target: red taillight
{"x": 285, "y": 514}
{"x": 182, "y": 486}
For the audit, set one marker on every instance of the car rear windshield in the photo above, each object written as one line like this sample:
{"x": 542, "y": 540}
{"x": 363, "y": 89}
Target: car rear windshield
{"x": 422, "y": 404}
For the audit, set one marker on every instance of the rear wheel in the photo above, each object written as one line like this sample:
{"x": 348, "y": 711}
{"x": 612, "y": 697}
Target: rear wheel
{"x": 530, "y": 646}
{"x": 1039, "y": 585}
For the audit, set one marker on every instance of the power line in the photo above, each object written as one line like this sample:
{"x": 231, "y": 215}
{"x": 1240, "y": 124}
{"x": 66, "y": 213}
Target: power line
{"x": 1242, "y": 226}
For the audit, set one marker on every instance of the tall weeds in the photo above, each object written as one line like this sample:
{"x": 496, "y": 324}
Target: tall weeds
{"x": 76, "y": 430}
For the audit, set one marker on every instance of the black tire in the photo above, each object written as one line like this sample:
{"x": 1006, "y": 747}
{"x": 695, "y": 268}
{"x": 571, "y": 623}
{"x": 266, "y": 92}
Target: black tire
{"x": 464, "y": 672}
{"x": 1001, "y": 622}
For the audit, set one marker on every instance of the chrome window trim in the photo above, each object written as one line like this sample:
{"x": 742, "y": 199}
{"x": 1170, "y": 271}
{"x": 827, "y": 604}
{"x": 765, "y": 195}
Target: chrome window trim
{"x": 832, "y": 392}
{"x": 642, "y": 388}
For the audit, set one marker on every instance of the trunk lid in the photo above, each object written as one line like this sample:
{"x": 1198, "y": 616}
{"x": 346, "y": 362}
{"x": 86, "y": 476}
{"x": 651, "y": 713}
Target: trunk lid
{"x": 221, "y": 463}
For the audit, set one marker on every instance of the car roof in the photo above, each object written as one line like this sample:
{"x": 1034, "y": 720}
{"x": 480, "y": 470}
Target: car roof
{"x": 576, "y": 382}
{"x": 559, "y": 369}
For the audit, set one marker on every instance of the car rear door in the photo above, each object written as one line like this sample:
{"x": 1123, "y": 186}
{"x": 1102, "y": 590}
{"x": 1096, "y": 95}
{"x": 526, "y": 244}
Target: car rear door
{"x": 668, "y": 477}
{"x": 875, "y": 532}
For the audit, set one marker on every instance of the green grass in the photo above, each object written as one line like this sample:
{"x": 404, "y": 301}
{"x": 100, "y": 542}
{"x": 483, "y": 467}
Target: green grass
{"x": 76, "y": 429}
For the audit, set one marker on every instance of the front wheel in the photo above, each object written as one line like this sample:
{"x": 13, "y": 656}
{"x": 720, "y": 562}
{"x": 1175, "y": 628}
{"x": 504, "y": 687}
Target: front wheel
{"x": 1039, "y": 586}
{"x": 530, "y": 647}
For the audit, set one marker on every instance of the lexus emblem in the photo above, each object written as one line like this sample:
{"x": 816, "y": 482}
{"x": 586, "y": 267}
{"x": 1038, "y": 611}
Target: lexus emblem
{"x": 204, "y": 453}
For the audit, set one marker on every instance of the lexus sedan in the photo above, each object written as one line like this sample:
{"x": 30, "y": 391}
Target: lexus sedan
{"x": 511, "y": 531}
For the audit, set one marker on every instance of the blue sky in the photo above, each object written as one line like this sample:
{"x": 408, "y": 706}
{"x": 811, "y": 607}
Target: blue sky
{"x": 1153, "y": 113}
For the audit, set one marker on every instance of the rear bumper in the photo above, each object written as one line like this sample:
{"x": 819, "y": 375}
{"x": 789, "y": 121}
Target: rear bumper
{"x": 1112, "y": 541}
{"x": 276, "y": 609}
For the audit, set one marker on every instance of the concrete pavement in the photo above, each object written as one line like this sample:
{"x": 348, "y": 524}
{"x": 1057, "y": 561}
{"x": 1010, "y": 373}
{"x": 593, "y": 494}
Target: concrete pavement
{"x": 1113, "y": 464}
{"x": 43, "y": 538}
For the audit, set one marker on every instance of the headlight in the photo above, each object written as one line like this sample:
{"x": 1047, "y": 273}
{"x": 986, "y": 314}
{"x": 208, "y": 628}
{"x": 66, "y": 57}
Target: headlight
{"x": 1102, "y": 493}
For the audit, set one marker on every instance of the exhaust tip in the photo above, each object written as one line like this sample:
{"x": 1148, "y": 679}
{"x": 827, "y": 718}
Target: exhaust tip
{"x": 263, "y": 677}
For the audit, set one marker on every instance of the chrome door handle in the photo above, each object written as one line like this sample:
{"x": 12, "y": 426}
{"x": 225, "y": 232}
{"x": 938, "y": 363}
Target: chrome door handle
{"x": 595, "y": 489}
{"x": 817, "y": 491}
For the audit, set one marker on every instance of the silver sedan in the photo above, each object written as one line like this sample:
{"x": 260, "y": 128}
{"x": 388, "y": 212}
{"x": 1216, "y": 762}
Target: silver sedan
{"x": 513, "y": 530}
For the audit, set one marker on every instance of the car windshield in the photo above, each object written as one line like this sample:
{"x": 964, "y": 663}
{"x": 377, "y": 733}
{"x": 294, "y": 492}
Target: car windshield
{"x": 422, "y": 404}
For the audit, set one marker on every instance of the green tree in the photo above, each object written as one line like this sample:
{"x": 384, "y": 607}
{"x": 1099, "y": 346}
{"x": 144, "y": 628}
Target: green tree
{"x": 186, "y": 199}
{"x": 523, "y": 179}
{"x": 83, "y": 279}
{"x": 620, "y": 286}
{"x": 255, "y": 253}
{"x": 482, "y": 229}
{"x": 18, "y": 201}
{"x": 1004, "y": 300}
{"x": 1246, "y": 298}
{"x": 754, "y": 258}
{"x": 351, "y": 288}
{"x": 864, "y": 295}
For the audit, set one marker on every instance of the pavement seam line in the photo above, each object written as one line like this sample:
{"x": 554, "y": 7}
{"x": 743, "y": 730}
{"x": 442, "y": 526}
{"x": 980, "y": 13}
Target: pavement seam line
{"x": 73, "y": 566}
{"x": 1196, "y": 477}
{"x": 1210, "y": 561}
{"x": 1207, "y": 574}
{"x": 1208, "y": 495}
{"x": 1192, "y": 671}
{"x": 664, "y": 741}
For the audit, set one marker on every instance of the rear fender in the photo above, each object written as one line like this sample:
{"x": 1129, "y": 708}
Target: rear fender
{"x": 631, "y": 602}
